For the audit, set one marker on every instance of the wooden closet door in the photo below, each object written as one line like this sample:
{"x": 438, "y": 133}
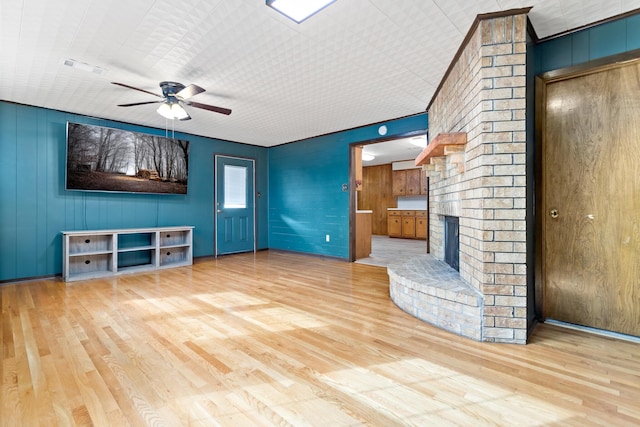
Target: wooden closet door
{"x": 591, "y": 191}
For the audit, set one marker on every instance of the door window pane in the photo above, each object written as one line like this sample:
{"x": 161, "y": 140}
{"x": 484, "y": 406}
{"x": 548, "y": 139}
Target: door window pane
{"x": 235, "y": 187}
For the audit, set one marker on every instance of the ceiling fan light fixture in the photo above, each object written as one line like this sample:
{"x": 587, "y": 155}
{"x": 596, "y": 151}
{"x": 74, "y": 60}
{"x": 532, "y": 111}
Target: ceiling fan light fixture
{"x": 165, "y": 110}
{"x": 172, "y": 111}
{"x": 179, "y": 112}
{"x": 298, "y": 10}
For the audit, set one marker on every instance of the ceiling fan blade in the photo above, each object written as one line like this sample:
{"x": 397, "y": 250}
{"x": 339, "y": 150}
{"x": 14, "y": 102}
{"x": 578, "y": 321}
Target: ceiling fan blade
{"x": 139, "y": 103}
{"x": 189, "y": 91}
{"x": 135, "y": 88}
{"x": 209, "y": 107}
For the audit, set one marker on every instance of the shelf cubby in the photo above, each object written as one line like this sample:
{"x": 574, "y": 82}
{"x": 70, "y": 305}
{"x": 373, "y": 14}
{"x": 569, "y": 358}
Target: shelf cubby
{"x": 101, "y": 253}
{"x": 174, "y": 255}
{"x": 91, "y": 265}
{"x": 175, "y": 238}
{"x": 91, "y": 244}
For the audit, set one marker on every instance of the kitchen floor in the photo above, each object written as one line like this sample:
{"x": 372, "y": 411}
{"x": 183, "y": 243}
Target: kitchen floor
{"x": 385, "y": 249}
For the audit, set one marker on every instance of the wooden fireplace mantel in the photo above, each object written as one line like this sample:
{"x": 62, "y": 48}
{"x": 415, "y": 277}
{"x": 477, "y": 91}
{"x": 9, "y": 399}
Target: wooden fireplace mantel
{"x": 437, "y": 146}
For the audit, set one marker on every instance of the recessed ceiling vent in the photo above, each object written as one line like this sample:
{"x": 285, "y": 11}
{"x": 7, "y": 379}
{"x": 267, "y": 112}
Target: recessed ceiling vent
{"x": 83, "y": 66}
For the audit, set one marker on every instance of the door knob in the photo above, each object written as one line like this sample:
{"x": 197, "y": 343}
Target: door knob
{"x": 554, "y": 213}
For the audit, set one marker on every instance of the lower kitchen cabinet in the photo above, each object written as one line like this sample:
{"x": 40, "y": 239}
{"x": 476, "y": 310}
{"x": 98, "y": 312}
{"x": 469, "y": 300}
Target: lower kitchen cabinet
{"x": 408, "y": 224}
{"x": 421, "y": 224}
{"x": 409, "y": 227}
{"x": 394, "y": 224}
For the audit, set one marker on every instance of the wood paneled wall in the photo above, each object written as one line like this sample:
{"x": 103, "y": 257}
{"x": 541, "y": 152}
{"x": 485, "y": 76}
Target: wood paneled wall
{"x": 377, "y": 195}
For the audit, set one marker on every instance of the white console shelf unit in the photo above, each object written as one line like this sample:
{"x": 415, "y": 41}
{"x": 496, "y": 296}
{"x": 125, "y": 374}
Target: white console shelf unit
{"x": 92, "y": 254}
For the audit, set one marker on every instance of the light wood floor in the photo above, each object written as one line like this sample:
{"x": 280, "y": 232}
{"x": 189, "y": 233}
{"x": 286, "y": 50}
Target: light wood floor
{"x": 284, "y": 339}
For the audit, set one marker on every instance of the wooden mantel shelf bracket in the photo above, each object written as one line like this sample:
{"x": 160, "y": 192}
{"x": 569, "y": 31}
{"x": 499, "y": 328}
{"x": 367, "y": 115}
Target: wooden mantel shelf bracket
{"x": 437, "y": 146}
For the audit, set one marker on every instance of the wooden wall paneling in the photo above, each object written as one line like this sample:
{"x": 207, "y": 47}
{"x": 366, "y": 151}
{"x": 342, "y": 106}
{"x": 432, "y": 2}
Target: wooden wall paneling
{"x": 377, "y": 195}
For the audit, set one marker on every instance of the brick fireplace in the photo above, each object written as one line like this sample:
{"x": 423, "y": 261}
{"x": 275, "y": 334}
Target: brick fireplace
{"x": 476, "y": 165}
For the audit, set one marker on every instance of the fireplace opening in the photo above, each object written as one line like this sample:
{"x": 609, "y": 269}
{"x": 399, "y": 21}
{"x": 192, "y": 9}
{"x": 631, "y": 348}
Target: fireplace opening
{"x": 452, "y": 242}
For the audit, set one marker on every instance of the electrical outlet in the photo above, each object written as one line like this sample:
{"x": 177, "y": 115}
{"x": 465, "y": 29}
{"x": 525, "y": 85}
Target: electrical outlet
{"x": 327, "y": 238}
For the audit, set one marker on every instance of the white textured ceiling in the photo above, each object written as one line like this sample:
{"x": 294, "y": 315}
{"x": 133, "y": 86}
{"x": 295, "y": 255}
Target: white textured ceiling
{"x": 356, "y": 62}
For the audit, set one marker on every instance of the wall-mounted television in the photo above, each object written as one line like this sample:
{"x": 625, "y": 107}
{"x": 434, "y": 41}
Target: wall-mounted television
{"x": 106, "y": 159}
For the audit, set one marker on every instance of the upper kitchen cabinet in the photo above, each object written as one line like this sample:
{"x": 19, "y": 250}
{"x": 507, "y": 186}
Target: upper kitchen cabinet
{"x": 407, "y": 182}
{"x": 424, "y": 183}
{"x": 413, "y": 182}
{"x": 399, "y": 183}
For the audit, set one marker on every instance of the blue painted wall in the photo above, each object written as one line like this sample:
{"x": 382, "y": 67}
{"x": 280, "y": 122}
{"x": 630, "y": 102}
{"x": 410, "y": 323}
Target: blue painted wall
{"x": 589, "y": 44}
{"x": 306, "y": 201}
{"x": 300, "y": 182}
{"x": 35, "y": 208}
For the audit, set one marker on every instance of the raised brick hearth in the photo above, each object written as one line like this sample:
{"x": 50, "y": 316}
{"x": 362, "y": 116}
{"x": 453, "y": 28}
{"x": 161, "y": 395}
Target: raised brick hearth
{"x": 429, "y": 289}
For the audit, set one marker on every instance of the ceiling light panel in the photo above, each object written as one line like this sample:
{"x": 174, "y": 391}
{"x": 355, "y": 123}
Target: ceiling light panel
{"x": 298, "y": 10}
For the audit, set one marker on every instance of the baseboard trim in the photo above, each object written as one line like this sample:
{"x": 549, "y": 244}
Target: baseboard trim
{"x": 595, "y": 331}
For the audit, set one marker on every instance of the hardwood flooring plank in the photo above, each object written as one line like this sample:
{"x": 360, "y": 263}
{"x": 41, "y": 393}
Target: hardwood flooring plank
{"x": 59, "y": 399}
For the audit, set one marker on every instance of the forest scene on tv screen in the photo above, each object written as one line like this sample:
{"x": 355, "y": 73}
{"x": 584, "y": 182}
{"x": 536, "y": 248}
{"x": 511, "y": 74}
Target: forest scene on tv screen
{"x": 106, "y": 159}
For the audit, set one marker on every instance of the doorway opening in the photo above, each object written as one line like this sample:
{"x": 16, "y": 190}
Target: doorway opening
{"x": 374, "y": 165}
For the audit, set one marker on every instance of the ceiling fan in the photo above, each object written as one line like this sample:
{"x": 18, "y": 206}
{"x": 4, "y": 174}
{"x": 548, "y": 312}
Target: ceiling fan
{"x": 174, "y": 96}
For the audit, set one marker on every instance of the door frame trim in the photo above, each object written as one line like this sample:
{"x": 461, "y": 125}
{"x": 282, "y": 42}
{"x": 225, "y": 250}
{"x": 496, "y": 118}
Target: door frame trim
{"x": 541, "y": 82}
{"x": 215, "y": 200}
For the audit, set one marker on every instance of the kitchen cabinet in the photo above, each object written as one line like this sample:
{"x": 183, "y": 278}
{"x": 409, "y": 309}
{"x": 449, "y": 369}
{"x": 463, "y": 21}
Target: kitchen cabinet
{"x": 421, "y": 224}
{"x": 407, "y": 182}
{"x": 408, "y": 224}
{"x": 399, "y": 182}
{"x": 413, "y": 182}
{"x": 394, "y": 223}
{"x": 424, "y": 183}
